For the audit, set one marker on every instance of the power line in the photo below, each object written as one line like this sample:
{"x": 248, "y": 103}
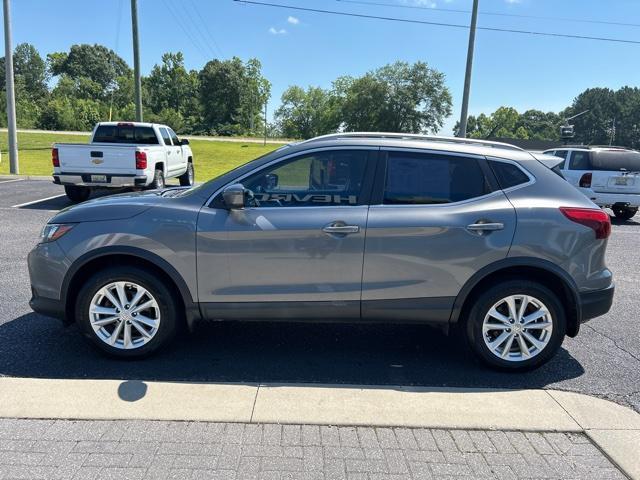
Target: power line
{"x": 178, "y": 20}
{"x": 197, "y": 30}
{"x": 439, "y": 24}
{"x": 497, "y": 14}
{"x": 206, "y": 29}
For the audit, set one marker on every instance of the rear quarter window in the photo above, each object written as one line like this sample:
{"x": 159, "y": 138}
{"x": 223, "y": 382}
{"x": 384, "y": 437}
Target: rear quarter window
{"x": 508, "y": 174}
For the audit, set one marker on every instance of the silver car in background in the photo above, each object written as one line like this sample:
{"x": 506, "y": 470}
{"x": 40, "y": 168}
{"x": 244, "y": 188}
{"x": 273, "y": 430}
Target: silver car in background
{"x": 363, "y": 227}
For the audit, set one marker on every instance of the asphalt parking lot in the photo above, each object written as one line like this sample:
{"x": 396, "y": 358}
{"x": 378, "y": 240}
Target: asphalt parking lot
{"x": 604, "y": 360}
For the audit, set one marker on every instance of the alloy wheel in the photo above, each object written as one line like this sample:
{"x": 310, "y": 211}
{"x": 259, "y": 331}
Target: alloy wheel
{"x": 124, "y": 315}
{"x": 517, "y": 328}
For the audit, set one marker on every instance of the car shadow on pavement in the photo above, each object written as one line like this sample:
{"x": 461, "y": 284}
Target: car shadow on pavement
{"x": 36, "y": 346}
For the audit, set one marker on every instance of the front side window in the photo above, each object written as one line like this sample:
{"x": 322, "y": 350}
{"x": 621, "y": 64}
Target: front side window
{"x": 317, "y": 179}
{"x": 417, "y": 178}
{"x": 579, "y": 161}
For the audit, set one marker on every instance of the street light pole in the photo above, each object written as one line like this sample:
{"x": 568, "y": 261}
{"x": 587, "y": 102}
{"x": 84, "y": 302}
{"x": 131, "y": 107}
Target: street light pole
{"x": 11, "y": 97}
{"x": 136, "y": 59}
{"x": 462, "y": 131}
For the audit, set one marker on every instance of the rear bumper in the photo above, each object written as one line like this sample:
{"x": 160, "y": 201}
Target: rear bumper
{"x": 609, "y": 199}
{"x": 594, "y": 304}
{"x": 116, "y": 181}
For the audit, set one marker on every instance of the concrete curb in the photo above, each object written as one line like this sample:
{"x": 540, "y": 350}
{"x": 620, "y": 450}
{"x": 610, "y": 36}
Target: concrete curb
{"x": 615, "y": 429}
{"x": 5, "y": 178}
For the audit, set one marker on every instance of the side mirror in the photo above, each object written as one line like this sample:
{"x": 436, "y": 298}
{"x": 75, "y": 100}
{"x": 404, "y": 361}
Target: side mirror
{"x": 234, "y": 196}
{"x": 184, "y": 141}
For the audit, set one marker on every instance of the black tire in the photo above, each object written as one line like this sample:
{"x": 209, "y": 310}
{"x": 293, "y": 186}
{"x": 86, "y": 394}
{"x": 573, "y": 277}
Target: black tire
{"x": 624, "y": 213}
{"x": 485, "y": 300}
{"x": 77, "y": 194}
{"x": 158, "y": 180}
{"x": 167, "y": 304}
{"x": 186, "y": 179}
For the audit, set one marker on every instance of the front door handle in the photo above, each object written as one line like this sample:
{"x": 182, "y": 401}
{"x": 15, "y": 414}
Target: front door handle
{"x": 485, "y": 226}
{"x": 340, "y": 228}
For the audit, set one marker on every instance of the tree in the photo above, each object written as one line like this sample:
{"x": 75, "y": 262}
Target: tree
{"x": 30, "y": 72}
{"x": 397, "y": 98}
{"x": 232, "y": 95}
{"x": 306, "y": 113}
{"x": 593, "y": 127}
{"x": 95, "y": 62}
{"x": 506, "y": 122}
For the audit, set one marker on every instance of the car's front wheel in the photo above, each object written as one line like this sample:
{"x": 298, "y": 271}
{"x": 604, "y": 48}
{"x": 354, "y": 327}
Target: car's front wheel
{"x": 516, "y": 325}
{"x": 126, "y": 312}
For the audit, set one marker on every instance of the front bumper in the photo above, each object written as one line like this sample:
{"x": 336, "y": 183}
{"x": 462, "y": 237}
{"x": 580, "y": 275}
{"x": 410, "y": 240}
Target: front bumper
{"x": 114, "y": 181}
{"x": 47, "y": 268}
{"x": 596, "y": 303}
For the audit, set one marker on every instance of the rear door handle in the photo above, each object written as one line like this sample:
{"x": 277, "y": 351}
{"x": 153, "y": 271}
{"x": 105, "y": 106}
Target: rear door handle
{"x": 340, "y": 228}
{"x": 485, "y": 227}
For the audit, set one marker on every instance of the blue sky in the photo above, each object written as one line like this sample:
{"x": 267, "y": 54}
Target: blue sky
{"x": 313, "y": 49}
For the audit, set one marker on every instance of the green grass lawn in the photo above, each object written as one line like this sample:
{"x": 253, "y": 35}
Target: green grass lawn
{"x": 210, "y": 158}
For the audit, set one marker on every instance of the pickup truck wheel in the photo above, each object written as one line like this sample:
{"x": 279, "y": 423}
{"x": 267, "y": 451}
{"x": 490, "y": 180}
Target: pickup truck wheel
{"x": 77, "y": 194}
{"x": 158, "y": 180}
{"x": 516, "y": 325}
{"x": 624, "y": 213}
{"x": 186, "y": 179}
{"x": 126, "y": 312}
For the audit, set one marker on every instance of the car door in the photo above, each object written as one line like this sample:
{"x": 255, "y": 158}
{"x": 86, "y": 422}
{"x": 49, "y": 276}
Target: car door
{"x": 168, "y": 146}
{"x": 436, "y": 219}
{"x": 176, "y": 162}
{"x": 296, "y": 250}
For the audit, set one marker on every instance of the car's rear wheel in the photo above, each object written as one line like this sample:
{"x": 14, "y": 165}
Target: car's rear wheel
{"x": 187, "y": 178}
{"x": 624, "y": 213}
{"x": 126, "y": 312}
{"x": 516, "y": 325}
{"x": 158, "y": 180}
{"x": 77, "y": 194}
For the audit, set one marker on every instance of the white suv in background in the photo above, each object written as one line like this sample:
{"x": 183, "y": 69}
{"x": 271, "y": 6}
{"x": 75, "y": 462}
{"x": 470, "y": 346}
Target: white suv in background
{"x": 609, "y": 176}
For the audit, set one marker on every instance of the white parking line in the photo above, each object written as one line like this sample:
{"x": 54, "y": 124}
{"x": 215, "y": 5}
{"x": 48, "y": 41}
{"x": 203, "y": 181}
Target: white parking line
{"x": 12, "y": 180}
{"x": 37, "y": 201}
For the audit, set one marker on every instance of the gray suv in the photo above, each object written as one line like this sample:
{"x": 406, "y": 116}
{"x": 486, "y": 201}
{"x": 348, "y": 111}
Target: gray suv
{"x": 348, "y": 227}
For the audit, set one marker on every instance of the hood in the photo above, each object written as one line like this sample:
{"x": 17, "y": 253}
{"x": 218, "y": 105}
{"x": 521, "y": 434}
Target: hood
{"x": 112, "y": 207}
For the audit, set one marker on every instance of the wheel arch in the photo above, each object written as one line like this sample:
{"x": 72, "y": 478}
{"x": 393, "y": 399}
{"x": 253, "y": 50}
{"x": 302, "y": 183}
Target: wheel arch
{"x": 543, "y": 271}
{"x": 88, "y": 264}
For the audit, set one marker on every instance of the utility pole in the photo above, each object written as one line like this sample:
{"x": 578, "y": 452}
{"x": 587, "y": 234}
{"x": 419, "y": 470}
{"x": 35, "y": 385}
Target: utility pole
{"x": 136, "y": 59}
{"x": 467, "y": 76}
{"x": 14, "y": 167}
{"x": 265, "y": 123}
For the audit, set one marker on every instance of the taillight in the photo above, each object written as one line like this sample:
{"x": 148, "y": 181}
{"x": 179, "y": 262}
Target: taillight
{"x": 141, "y": 160}
{"x": 585, "y": 180}
{"x": 54, "y": 157}
{"x": 595, "y": 219}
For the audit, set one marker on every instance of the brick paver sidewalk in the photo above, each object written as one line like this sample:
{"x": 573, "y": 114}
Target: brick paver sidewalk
{"x": 51, "y": 449}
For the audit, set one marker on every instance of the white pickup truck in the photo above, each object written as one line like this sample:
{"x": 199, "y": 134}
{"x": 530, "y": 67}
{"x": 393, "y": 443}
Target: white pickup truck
{"x": 121, "y": 155}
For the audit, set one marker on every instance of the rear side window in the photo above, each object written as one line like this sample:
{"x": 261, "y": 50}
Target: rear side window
{"x": 580, "y": 161}
{"x": 165, "y": 136}
{"x": 508, "y": 174}
{"x": 423, "y": 179}
{"x": 125, "y": 134}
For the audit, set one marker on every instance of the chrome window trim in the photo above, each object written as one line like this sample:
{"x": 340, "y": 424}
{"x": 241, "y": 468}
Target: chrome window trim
{"x": 288, "y": 157}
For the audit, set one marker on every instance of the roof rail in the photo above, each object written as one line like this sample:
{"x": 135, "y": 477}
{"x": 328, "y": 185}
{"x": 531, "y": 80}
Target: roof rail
{"x": 613, "y": 147}
{"x": 412, "y": 136}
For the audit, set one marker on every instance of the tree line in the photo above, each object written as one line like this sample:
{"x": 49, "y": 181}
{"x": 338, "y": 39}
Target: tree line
{"x": 73, "y": 90}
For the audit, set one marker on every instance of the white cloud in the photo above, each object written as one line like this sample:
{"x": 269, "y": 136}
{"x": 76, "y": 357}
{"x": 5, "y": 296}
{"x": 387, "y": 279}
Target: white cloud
{"x": 293, "y": 20}
{"x": 277, "y": 31}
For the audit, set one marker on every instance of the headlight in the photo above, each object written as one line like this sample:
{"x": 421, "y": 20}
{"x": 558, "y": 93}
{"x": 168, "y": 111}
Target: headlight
{"x": 53, "y": 231}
